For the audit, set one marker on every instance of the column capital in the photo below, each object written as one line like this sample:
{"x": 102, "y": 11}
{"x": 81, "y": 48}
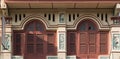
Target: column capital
{"x": 3, "y": 4}
{"x": 7, "y": 19}
{"x": 118, "y": 5}
{"x": 117, "y": 9}
{"x": 116, "y": 20}
{"x": 61, "y": 29}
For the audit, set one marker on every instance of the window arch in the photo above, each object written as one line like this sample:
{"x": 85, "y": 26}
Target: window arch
{"x": 87, "y": 25}
{"x": 35, "y": 26}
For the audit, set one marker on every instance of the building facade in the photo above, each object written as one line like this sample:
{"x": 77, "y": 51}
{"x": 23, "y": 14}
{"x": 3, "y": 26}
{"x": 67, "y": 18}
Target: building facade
{"x": 60, "y": 29}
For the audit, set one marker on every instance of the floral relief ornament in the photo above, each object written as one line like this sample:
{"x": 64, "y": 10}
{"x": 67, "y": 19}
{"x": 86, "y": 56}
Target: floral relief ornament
{"x": 6, "y": 43}
{"x": 116, "y": 41}
{"x": 61, "y": 41}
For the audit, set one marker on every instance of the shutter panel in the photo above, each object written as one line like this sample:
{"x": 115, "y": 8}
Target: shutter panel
{"x": 83, "y": 43}
{"x": 30, "y": 48}
{"x": 30, "y": 43}
{"x": 71, "y": 44}
{"x": 92, "y": 49}
{"x": 39, "y": 43}
{"x": 83, "y": 49}
{"x": 51, "y": 49}
{"x": 92, "y": 43}
{"x": 92, "y": 38}
{"x": 103, "y": 42}
{"x": 17, "y": 44}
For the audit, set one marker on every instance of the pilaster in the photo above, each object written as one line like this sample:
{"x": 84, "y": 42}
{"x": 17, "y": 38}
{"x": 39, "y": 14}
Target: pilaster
{"x": 61, "y": 36}
{"x": 115, "y": 41}
{"x": 6, "y": 38}
{"x": 115, "y": 37}
{"x": 6, "y": 32}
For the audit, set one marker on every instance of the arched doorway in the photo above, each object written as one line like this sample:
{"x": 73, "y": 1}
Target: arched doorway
{"x": 34, "y": 42}
{"x": 87, "y": 41}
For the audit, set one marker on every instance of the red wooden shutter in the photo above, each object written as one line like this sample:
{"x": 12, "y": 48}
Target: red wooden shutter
{"x": 39, "y": 43}
{"x": 83, "y": 43}
{"x": 103, "y": 42}
{"x": 71, "y": 46}
{"x": 30, "y": 43}
{"x": 17, "y": 44}
{"x": 92, "y": 43}
{"x": 51, "y": 48}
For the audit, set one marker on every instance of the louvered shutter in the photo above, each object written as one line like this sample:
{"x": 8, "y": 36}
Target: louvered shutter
{"x": 18, "y": 37}
{"x": 39, "y": 43}
{"x": 92, "y": 43}
{"x": 30, "y": 43}
{"x": 103, "y": 42}
{"x": 51, "y": 48}
{"x": 71, "y": 46}
{"x": 83, "y": 43}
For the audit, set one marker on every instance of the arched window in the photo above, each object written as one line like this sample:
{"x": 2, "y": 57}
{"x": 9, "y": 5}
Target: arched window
{"x": 86, "y": 41}
{"x": 35, "y": 26}
{"x": 87, "y": 26}
{"x": 34, "y": 42}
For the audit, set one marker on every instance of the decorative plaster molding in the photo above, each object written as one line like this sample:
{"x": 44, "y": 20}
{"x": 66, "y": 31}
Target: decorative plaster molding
{"x": 92, "y": 18}
{"x": 33, "y": 17}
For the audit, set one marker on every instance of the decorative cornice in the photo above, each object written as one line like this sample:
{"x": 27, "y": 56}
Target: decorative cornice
{"x": 54, "y": 27}
{"x": 61, "y": 1}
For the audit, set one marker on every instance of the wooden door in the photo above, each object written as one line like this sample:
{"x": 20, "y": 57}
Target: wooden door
{"x": 87, "y": 47}
{"x": 35, "y": 44}
{"x": 87, "y": 41}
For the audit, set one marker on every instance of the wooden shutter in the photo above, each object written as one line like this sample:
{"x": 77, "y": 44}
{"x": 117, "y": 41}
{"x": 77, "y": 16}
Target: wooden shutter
{"x": 17, "y": 44}
{"x": 30, "y": 43}
{"x": 51, "y": 48}
{"x": 103, "y": 42}
{"x": 39, "y": 43}
{"x": 71, "y": 46}
{"x": 92, "y": 43}
{"x": 83, "y": 43}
